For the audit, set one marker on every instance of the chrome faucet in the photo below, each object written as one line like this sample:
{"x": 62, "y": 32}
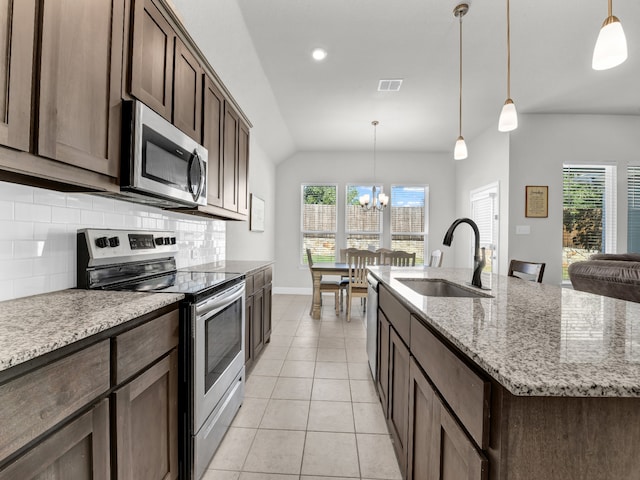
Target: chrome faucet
{"x": 479, "y": 260}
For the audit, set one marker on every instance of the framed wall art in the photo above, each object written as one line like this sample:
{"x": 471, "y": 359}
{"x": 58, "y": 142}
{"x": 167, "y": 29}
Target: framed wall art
{"x": 536, "y": 201}
{"x": 256, "y": 216}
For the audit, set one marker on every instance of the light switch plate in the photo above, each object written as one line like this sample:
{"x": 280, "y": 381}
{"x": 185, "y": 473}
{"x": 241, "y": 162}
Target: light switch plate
{"x": 523, "y": 229}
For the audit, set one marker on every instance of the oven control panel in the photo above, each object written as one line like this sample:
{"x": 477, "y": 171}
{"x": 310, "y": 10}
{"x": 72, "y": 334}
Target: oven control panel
{"x": 104, "y": 245}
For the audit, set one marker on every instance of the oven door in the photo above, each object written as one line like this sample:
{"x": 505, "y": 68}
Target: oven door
{"x": 161, "y": 160}
{"x": 218, "y": 349}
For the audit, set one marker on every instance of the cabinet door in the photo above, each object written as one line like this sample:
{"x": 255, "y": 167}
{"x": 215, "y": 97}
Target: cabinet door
{"x": 257, "y": 325}
{"x": 266, "y": 323}
{"x": 383, "y": 361}
{"x": 453, "y": 455}
{"x": 146, "y": 423}
{"x": 421, "y": 426}
{"x": 398, "y": 420}
{"x": 187, "y": 92}
{"x": 243, "y": 169}
{"x": 79, "y": 451}
{"x": 17, "y": 24}
{"x": 230, "y": 149}
{"x": 212, "y": 118}
{"x": 248, "y": 332}
{"x": 80, "y": 72}
{"x": 152, "y": 58}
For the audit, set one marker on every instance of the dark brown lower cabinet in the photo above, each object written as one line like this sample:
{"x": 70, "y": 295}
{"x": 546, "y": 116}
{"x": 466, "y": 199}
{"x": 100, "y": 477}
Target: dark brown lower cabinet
{"x": 146, "y": 423}
{"x": 398, "y": 412}
{"x": 257, "y": 313}
{"x": 383, "y": 361}
{"x": 453, "y": 454}
{"x": 78, "y": 451}
{"x": 421, "y": 429}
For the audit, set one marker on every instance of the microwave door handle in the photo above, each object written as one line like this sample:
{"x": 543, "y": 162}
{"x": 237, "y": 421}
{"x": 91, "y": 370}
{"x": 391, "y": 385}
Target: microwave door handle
{"x": 196, "y": 194}
{"x": 203, "y": 173}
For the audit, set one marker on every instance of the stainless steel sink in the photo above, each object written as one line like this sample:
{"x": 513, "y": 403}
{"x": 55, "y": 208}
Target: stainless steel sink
{"x": 437, "y": 287}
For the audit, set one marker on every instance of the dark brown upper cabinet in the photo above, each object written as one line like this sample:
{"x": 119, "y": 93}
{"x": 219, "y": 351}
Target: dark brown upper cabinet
{"x": 17, "y": 26}
{"x": 243, "y": 169}
{"x": 152, "y": 58}
{"x": 79, "y": 111}
{"x": 230, "y": 149}
{"x": 212, "y": 121}
{"x": 187, "y": 92}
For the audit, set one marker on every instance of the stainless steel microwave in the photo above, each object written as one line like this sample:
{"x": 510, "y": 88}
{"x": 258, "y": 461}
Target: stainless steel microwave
{"x": 161, "y": 165}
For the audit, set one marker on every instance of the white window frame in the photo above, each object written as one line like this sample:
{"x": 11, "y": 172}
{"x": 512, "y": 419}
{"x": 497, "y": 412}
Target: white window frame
{"x": 303, "y": 232}
{"x": 492, "y": 191}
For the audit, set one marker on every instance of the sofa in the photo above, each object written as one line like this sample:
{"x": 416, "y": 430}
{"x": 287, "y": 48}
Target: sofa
{"x": 612, "y": 275}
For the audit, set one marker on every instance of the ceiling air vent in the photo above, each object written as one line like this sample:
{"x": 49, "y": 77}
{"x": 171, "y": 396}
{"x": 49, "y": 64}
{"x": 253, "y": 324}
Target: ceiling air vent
{"x": 390, "y": 85}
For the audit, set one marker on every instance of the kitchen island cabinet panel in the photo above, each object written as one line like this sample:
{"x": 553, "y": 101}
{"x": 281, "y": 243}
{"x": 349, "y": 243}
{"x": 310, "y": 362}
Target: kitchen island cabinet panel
{"x": 151, "y": 63}
{"x": 17, "y": 27}
{"x": 80, "y": 80}
{"x": 398, "y": 420}
{"x": 79, "y": 451}
{"x": 51, "y": 394}
{"x": 383, "y": 361}
{"x": 421, "y": 425}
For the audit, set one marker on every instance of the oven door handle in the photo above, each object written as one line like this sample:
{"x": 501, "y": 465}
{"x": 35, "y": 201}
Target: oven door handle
{"x": 221, "y": 301}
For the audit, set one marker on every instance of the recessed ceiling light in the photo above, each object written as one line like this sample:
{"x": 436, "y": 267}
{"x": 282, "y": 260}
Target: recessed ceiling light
{"x": 319, "y": 54}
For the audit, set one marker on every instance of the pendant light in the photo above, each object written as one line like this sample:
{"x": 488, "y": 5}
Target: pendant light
{"x": 611, "y": 46}
{"x": 508, "y": 120}
{"x": 460, "y": 150}
{"x": 380, "y": 200}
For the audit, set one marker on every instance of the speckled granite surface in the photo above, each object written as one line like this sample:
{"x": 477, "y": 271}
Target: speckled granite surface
{"x": 33, "y": 326}
{"x": 535, "y": 339}
{"x": 231, "y": 266}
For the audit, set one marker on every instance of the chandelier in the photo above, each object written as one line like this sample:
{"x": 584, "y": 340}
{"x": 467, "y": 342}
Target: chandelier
{"x": 377, "y": 200}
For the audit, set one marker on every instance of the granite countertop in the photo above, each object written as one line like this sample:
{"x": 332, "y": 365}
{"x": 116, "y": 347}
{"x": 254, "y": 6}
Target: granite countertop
{"x": 230, "y": 266}
{"x": 534, "y": 339}
{"x": 33, "y": 326}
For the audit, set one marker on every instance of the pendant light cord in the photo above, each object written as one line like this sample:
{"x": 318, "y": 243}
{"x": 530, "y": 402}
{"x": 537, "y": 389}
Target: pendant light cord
{"x": 509, "y": 50}
{"x": 610, "y": 8}
{"x": 460, "y": 92}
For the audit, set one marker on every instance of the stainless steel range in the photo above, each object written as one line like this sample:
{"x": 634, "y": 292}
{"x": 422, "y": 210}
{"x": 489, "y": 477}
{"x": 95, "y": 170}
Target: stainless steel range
{"x": 211, "y": 324}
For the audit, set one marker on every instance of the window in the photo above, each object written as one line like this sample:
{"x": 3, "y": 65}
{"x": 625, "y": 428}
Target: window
{"x": 363, "y": 228}
{"x": 484, "y": 211}
{"x": 633, "y": 196}
{"x": 408, "y": 219}
{"x": 589, "y": 212}
{"x": 319, "y": 222}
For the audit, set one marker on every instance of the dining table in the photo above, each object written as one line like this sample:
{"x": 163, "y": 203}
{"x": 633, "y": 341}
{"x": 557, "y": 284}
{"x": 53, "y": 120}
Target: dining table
{"x": 317, "y": 271}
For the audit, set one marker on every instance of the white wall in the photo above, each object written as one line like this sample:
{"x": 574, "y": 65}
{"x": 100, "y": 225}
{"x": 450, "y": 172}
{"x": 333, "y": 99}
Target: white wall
{"x": 243, "y": 244}
{"x": 38, "y": 235}
{"x": 537, "y": 153}
{"x": 433, "y": 169}
{"x": 488, "y": 162}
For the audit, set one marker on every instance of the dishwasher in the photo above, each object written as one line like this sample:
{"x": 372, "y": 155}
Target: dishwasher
{"x": 372, "y": 323}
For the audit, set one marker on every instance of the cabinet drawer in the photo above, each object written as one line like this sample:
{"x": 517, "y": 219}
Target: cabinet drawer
{"x": 249, "y": 285}
{"x": 258, "y": 280}
{"x": 465, "y": 392}
{"x": 37, "y": 401}
{"x": 137, "y": 348}
{"x": 397, "y": 314}
{"x": 268, "y": 275}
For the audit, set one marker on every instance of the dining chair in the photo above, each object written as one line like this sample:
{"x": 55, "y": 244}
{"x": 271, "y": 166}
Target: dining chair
{"x": 383, "y": 255}
{"x": 357, "y": 286}
{"x": 399, "y": 258}
{"x": 435, "y": 259}
{"x": 326, "y": 286}
{"x": 526, "y": 270}
{"x": 345, "y": 252}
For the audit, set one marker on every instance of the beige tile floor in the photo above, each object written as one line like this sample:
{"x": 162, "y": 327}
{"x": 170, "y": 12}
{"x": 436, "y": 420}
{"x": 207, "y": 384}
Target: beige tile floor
{"x": 310, "y": 411}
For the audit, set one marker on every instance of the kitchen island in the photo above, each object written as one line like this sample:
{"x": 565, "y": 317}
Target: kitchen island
{"x": 523, "y": 381}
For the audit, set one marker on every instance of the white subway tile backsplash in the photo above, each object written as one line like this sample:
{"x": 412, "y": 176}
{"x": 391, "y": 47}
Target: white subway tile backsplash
{"x": 38, "y": 235}
{"x": 6, "y": 210}
{"x": 15, "y": 230}
{"x": 49, "y": 197}
{"x": 31, "y": 212}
